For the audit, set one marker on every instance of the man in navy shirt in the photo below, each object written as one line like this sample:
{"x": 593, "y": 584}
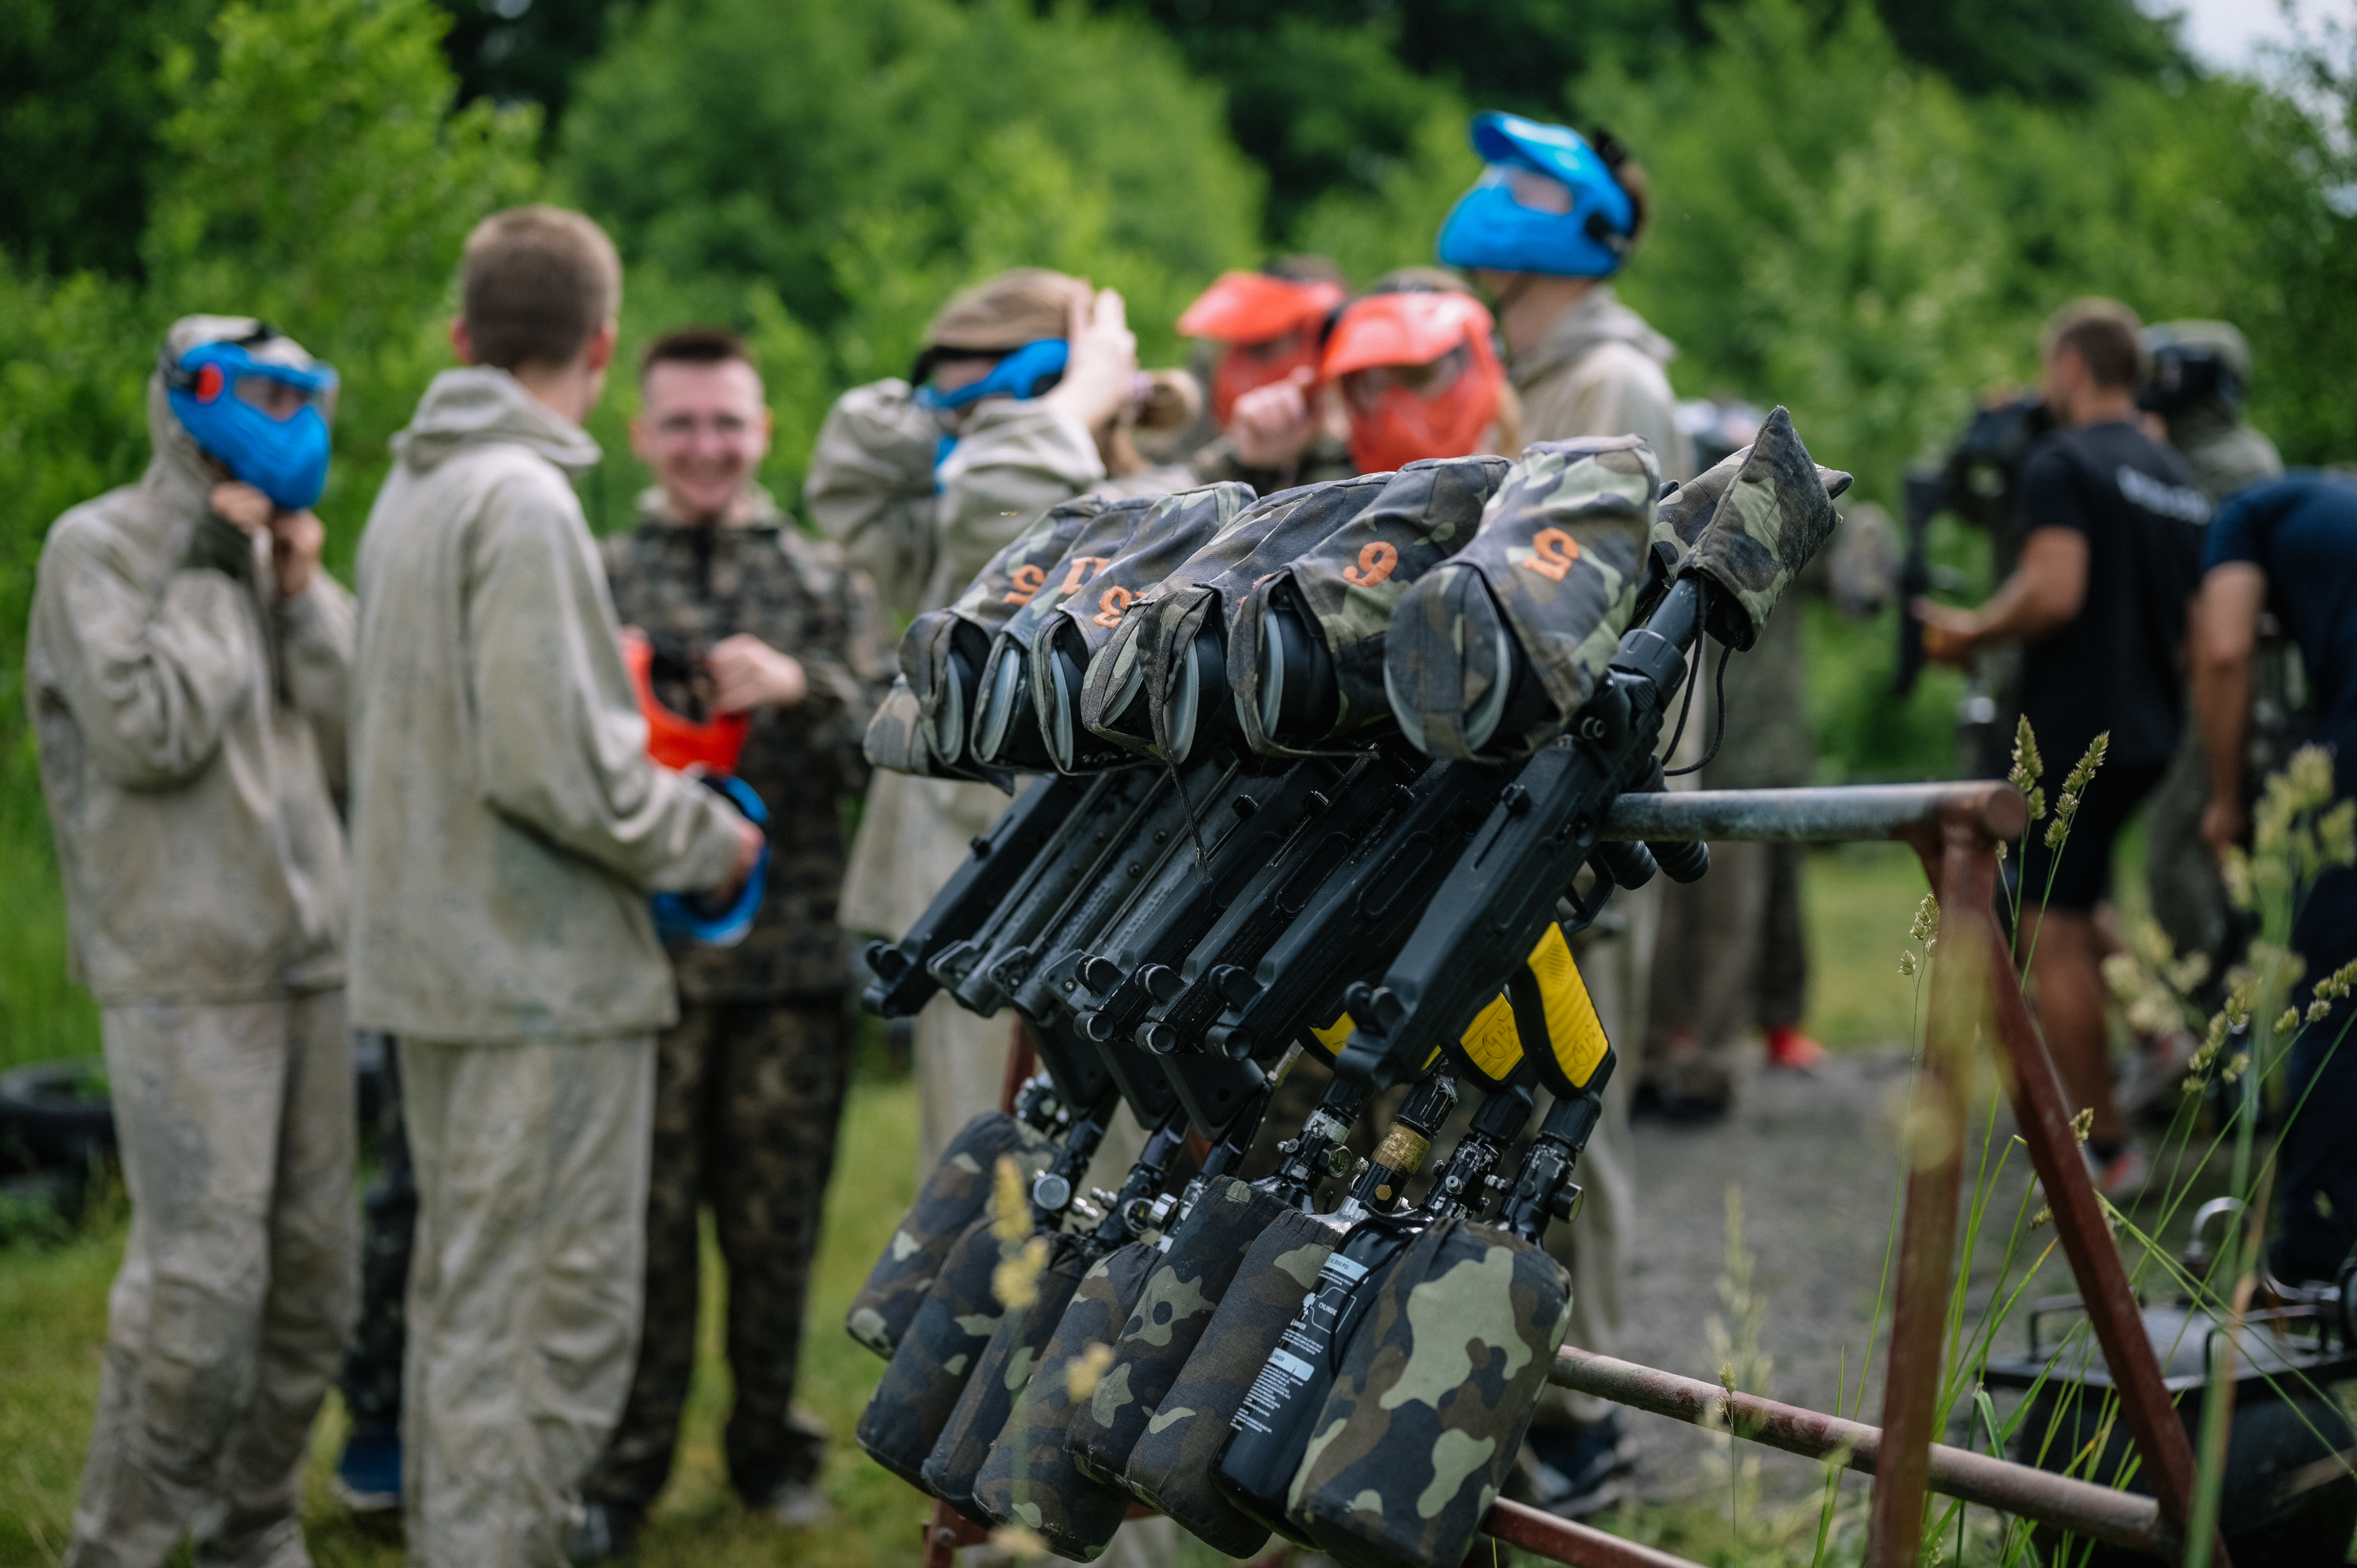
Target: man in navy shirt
{"x": 2290, "y": 547}
{"x": 2111, "y": 525}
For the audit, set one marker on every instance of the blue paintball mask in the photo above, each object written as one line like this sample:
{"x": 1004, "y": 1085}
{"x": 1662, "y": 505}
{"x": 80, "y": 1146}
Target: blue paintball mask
{"x": 1548, "y": 203}
{"x": 265, "y": 423}
{"x": 702, "y": 917}
{"x": 1024, "y": 373}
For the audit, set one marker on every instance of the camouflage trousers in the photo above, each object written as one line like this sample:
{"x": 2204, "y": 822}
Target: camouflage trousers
{"x": 523, "y": 1299}
{"x": 371, "y": 1383}
{"x": 748, "y": 1098}
{"x": 223, "y": 1327}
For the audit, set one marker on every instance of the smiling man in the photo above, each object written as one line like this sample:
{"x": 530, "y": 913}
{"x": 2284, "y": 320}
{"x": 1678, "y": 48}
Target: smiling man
{"x": 747, "y": 618}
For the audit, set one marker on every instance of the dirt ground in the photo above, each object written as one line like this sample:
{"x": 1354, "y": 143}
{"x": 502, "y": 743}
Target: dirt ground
{"x": 1815, "y": 1157}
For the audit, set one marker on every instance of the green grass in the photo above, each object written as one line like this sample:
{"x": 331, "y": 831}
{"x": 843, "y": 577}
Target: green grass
{"x": 1858, "y": 899}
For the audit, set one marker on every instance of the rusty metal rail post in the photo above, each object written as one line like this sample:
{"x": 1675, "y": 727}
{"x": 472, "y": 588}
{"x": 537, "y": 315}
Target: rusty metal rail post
{"x": 1954, "y": 829}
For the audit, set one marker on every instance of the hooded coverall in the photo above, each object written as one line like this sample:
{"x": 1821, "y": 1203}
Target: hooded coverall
{"x": 190, "y": 725}
{"x": 507, "y": 826}
{"x": 1597, "y": 371}
{"x": 872, "y": 489}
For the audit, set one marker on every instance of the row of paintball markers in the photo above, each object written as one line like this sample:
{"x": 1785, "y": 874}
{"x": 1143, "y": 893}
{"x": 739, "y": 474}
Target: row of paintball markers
{"x": 1326, "y": 772}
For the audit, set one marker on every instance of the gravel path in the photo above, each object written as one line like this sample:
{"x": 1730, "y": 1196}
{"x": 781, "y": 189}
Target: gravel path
{"x": 1815, "y": 1158}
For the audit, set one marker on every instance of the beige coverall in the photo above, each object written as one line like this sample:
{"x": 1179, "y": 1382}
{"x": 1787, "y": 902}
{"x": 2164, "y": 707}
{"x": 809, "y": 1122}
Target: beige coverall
{"x": 190, "y": 725}
{"x": 507, "y": 827}
{"x": 871, "y": 489}
{"x": 1597, "y": 371}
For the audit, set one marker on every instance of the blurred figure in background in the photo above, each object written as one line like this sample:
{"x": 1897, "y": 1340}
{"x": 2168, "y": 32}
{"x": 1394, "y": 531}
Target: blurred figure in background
{"x": 1280, "y": 424}
{"x": 2198, "y": 374}
{"x": 2289, "y": 549}
{"x": 1018, "y": 400}
{"x": 185, "y": 675}
{"x": 1552, "y": 218}
{"x": 1418, "y": 375}
{"x": 747, "y": 618}
{"x": 506, "y": 828}
{"x": 2111, "y": 540}
{"x": 1735, "y": 956}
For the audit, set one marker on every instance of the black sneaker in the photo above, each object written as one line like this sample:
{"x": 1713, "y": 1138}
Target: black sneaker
{"x": 1578, "y": 1471}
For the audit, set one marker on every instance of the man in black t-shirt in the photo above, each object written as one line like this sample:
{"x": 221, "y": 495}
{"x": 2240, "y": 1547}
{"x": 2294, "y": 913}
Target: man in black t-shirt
{"x": 2111, "y": 553}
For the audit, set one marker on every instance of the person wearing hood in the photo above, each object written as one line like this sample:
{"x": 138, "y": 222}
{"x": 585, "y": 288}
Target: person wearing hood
{"x": 185, "y": 670}
{"x": 506, "y": 828}
{"x": 1021, "y": 399}
{"x": 1550, "y": 223}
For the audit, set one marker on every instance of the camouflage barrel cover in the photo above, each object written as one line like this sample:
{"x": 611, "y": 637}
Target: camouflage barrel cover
{"x": 936, "y": 1354}
{"x": 1171, "y": 1466}
{"x": 1432, "y": 1398}
{"x": 1095, "y": 543}
{"x": 1148, "y": 652}
{"x": 1777, "y": 509}
{"x": 927, "y": 733}
{"x": 1550, "y": 578}
{"x": 1350, "y": 581}
{"x": 1075, "y": 1514}
{"x": 1000, "y": 1375}
{"x": 1160, "y": 1334}
{"x": 1062, "y": 648}
{"x": 957, "y": 1193}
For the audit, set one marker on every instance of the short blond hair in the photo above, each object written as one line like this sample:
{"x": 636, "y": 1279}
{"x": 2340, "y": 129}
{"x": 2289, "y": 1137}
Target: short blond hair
{"x": 537, "y": 282}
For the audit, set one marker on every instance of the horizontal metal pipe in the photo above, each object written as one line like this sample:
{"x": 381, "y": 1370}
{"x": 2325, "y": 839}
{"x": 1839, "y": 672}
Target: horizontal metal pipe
{"x": 1563, "y": 1540}
{"x": 2123, "y": 1519}
{"x": 1832, "y": 814}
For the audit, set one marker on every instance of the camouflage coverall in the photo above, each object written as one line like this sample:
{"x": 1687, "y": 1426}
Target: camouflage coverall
{"x": 748, "y": 1083}
{"x": 507, "y": 827}
{"x": 190, "y": 727}
{"x": 1599, "y": 371}
{"x": 872, "y": 489}
{"x": 2188, "y": 897}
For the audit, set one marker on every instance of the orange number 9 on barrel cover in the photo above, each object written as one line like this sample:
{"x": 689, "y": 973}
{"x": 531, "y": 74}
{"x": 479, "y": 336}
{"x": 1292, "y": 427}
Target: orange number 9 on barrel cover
{"x": 1375, "y": 563}
{"x": 1552, "y": 553}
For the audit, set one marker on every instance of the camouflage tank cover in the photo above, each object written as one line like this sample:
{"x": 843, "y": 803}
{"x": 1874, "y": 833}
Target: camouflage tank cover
{"x": 1075, "y": 1513}
{"x": 1170, "y": 1467}
{"x": 1554, "y": 568}
{"x": 1778, "y": 507}
{"x": 913, "y": 727}
{"x": 1086, "y": 553}
{"x": 1178, "y": 526}
{"x": 1147, "y": 651}
{"x": 1154, "y": 1344}
{"x": 1351, "y": 581}
{"x": 956, "y": 1194}
{"x": 1000, "y": 1375}
{"x": 1014, "y": 577}
{"x": 930, "y": 1367}
{"x": 1432, "y": 1398}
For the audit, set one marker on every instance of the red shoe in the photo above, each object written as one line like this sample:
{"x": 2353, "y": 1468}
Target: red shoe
{"x": 1788, "y": 1047}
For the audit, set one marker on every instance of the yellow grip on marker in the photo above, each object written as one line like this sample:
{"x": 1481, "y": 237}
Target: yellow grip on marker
{"x": 1574, "y": 1034}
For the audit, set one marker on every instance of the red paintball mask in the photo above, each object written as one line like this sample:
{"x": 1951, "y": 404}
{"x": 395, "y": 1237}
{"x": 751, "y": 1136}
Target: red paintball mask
{"x": 672, "y": 740}
{"x": 1419, "y": 376}
{"x": 1267, "y": 327}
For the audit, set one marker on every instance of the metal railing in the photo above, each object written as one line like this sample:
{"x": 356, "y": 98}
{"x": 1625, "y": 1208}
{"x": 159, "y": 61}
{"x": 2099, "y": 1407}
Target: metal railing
{"x": 1955, "y": 830}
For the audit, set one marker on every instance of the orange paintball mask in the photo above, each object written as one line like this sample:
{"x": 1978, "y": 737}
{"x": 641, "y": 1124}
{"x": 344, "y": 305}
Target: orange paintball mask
{"x": 1267, "y": 327}
{"x": 1419, "y": 374}
{"x": 673, "y": 740}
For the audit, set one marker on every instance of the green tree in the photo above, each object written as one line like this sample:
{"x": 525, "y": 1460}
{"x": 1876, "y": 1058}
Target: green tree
{"x": 78, "y": 107}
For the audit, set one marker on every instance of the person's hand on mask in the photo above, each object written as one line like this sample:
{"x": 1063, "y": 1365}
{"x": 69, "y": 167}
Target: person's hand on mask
{"x": 1101, "y": 372}
{"x": 1273, "y": 425}
{"x": 295, "y": 540}
{"x": 748, "y": 673}
{"x": 240, "y": 505}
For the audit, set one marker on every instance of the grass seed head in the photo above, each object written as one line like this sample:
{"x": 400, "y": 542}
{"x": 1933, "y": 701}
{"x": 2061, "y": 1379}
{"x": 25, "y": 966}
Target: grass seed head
{"x": 1010, "y": 1205}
